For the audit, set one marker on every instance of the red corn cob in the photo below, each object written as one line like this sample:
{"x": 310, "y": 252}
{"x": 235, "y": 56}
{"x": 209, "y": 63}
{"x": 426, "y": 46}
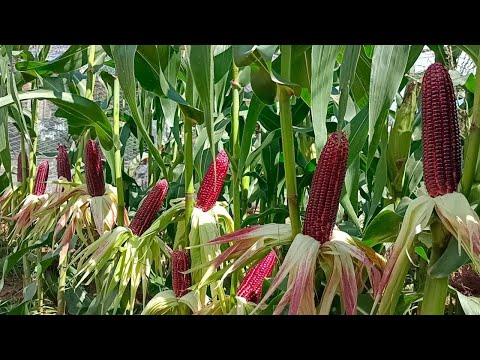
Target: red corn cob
{"x": 466, "y": 280}
{"x": 149, "y": 208}
{"x": 440, "y": 132}
{"x": 326, "y": 189}
{"x": 251, "y": 286}
{"x": 63, "y": 163}
{"x": 19, "y": 167}
{"x": 209, "y": 188}
{"x": 180, "y": 282}
{"x": 41, "y": 180}
{"x": 94, "y": 170}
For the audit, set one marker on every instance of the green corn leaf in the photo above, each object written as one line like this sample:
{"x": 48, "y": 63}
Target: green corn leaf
{"x": 84, "y": 113}
{"x": 388, "y": 68}
{"x": 323, "y": 60}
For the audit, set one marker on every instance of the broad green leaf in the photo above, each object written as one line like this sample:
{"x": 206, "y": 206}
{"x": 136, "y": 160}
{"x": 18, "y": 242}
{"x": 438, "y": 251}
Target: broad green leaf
{"x": 54, "y": 83}
{"x": 222, "y": 64}
{"x": 12, "y": 90}
{"x": 243, "y": 54}
{"x": 29, "y": 291}
{"x": 352, "y": 180}
{"x": 8, "y": 262}
{"x": 4, "y": 142}
{"x": 471, "y": 83}
{"x": 84, "y": 112}
{"x": 351, "y": 212}
{"x": 148, "y": 71}
{"x": 253, "y": 155}
{"x": 413, "y": 175}
{"x": 388, "y": 68}
{"x": 253, "y": 219}
{"x": 108, "y": 80}
{"x": 271, "y": 121}
{"x": 267, "y": 51}
{"x": 470, "y": 304}
{"x": 361, "y": 84}
{"x": 383, "y": 228}
{"x": 421, "y": 252}
{"x": 254, "y": 110}
{"x": 74, "y": 58}
{"x": 262, "y": 84}
{"x": 274, "y": 173}
{"x": 357, "y": 131}
{"x": 202, "y": 68}
{"x": 347, "y": 75}
{"x": 450, "y": 260}
{"x": 323, "y": 60}
{"x": 301, "y": 69}
{"x": 124, "y": 56}
{"x": 380, "y": 177}
{"x": 369, "y": 50}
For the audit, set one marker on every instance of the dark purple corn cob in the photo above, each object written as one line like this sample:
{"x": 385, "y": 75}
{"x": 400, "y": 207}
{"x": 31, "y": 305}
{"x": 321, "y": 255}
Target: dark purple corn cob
{"x": 148, "y": 210}
{"x": 440, "y": 132}
{"x": 466, "y": 280}
{"x": 63, "y": 163}
{"x": 41, "y": 180}
{"x": 19, "y": 167}
{"x": 209, "y": 188}
{"x": 251, "y": 286}
{"x": 94, "y": 170}
{"x": 180, "y": 263}
{"x": 326, "y": 189}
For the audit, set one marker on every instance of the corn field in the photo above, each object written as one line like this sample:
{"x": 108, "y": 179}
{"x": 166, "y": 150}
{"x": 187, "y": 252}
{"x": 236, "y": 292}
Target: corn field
{"x": 280, "y": 180}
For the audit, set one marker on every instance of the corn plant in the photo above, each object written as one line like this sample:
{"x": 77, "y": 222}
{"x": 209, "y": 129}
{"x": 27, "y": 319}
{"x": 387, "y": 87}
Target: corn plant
{"x": 241, "y": 179}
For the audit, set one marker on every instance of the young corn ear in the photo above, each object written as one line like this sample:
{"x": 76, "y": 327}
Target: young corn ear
{"x": 20, "y": 169}
{"x": 41, "y": 180}
{"x": 440, "y": 132}
{"x": 148, "y": 210}
{"x": 326, "y": 189}
{"x": 63, "y": 163}
{"x": 211, "y": 187}
{"x": 180, "y": 263}
{"x": 251, "y": 287}
{"x": 94, "y": 170}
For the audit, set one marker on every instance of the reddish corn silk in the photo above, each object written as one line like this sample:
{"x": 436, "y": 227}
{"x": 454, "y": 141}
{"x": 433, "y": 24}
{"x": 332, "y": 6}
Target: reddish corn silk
{"x": 147, "y": 212}
{"x": 251, "y": 286}
{"x": 63, "y": 163}
{"x": 209, "y": 188}
{"x": 94, "y": 170}
{"x": 326, "y": 189}
{"x": 41, "y": 180}
{"x": 440, "y": 132}
{"x": 19, "y": 167}
{"x": 180, "y": 282}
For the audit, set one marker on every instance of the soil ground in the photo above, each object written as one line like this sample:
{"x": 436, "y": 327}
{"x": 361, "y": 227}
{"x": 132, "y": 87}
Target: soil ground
{"x": 12, "y": 289}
